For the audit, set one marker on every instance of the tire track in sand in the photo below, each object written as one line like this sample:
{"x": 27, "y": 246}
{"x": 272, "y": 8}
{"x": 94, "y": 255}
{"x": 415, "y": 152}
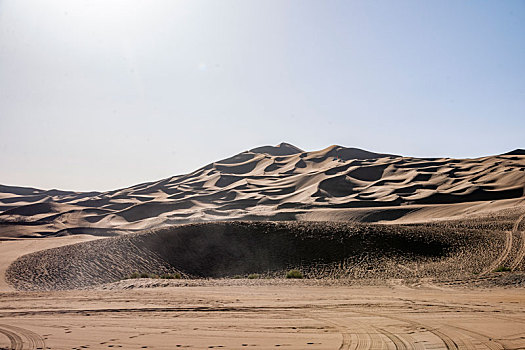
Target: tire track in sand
{"x": 501, "y": 258}
{"x": 449, "y": 343}
{"x": 484, "y": 339}
{"x": 521, "y": 252}
{"x": 455, "y": 338}
{"x": 357, "y": 338}
{"x": 401, "y": 341}
{"x": 398, "y": 343}
{"x": 366, "y": 337}
{"x": 14, "y": 339}
{"x": 17, "y": 335}
{"x": 346, "y": 341}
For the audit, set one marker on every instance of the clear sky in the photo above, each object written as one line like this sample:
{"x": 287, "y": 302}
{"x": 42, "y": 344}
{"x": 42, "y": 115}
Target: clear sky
{"x": 103, "y": 94}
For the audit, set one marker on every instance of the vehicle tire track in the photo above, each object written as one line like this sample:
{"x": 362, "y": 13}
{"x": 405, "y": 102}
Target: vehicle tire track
{"x": 501, "y": 258}
{"x": 15, "y": 340}
{"x": 34, "y": 340}
{"x": 521, "y": 252}
{"x": 460, "y": 337}
{"x": 450, "y": 344}
{"x": 375, "y": 340}
{"x": 364, "y": 342}
{"x": 487, "y": 341}
{"x": 398, "y": 343}
{"x": 362, "y": 338}
{"x": 346, "y": 341}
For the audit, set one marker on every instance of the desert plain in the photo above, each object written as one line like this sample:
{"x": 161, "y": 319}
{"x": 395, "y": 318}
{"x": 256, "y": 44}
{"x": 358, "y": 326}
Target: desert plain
{"x": 393, "y": 253}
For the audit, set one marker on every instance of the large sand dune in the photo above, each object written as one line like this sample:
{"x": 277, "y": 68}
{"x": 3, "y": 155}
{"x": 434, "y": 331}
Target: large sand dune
{"x": 277, "y": 183}
{"x": 391, "y": 248}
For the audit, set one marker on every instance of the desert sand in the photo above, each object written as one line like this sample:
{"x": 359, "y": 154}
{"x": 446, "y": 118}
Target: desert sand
{"x": 396, "y": 253}
{"x": 277, "y": 183}
{"x": 265, "y": 317}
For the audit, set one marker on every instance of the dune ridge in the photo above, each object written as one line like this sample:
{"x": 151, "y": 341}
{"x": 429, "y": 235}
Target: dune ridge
{"x": 279, "y": 182}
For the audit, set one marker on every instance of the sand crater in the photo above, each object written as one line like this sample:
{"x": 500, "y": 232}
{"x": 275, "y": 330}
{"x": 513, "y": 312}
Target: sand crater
{"x": 230, "y": 249}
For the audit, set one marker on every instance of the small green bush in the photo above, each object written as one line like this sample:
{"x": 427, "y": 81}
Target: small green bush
{"x": 502, "y": 269}
{"x": 294, "y": 274}
{"x": 253, "y": 276}
{"x": 134, "y": 275}
{"x": 171, "y": 276}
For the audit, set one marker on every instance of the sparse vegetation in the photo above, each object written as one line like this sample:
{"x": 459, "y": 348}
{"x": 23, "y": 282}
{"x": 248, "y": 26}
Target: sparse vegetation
{"x": 294, "y": 274}
{"x": 502, "y": 269}
{"x": 254, "y": 276}
{"x": 171, "y": 276}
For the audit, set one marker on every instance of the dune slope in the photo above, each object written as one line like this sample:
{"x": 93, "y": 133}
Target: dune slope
{"x": 227, "y": 249}
{"x": 275, "y": 183}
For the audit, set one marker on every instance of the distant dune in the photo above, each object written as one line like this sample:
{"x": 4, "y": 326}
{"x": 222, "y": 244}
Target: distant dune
{"x": 278, "y": 183}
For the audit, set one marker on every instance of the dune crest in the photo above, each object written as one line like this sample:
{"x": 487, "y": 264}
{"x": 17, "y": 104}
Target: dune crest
{"x": 282, "y": 149}
{"x": 279, "y": 182}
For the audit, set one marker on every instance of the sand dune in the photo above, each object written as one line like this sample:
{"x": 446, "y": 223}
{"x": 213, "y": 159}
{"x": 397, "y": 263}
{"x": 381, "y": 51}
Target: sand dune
{"x": 275, "y": 183}
{"x": 228, "y": 249}
{"x": 403, "y": 241}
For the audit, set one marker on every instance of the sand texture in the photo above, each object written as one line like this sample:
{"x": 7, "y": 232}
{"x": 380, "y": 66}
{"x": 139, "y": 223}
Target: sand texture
{"x": 396, "y": 253}
{"x": 353, "y": 252}
{"x": 277, "y": 183}
{"x": 266, "y": 317}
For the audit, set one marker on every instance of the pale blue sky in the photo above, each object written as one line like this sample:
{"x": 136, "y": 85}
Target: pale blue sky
{"x": 97, "y": 95}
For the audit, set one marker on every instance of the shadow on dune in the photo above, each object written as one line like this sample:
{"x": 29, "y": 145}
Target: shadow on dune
{"x": 227, "y": 249}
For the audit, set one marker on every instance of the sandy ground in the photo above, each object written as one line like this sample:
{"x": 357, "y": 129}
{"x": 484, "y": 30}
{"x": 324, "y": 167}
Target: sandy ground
{"x": 265, "y": 317}
{"x": 269, "y": 314}
{"x": 436, "y": 285}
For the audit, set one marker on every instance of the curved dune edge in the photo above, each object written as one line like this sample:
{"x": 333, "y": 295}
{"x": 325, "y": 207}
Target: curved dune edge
{"x": 228, "y": 249}
{"x": 14, "y": 249}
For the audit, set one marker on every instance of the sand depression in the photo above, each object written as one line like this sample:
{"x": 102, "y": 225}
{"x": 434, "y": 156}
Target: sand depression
{"x": 235, "y": 249}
